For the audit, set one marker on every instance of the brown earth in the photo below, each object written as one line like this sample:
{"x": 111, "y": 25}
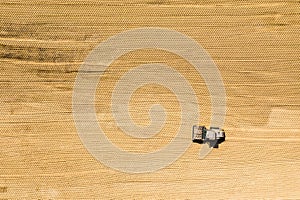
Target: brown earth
{"x": 256, "y": 46}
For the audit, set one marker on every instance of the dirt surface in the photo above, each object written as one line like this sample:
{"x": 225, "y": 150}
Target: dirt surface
{"x": 254, "y": 44}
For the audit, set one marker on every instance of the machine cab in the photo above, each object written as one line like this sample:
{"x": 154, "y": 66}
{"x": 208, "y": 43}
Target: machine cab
{"x": 213, "y": 136}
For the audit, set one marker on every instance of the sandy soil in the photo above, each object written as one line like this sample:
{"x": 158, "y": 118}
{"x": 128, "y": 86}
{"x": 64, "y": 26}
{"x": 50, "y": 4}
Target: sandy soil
{"x": 255, "y": 45}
